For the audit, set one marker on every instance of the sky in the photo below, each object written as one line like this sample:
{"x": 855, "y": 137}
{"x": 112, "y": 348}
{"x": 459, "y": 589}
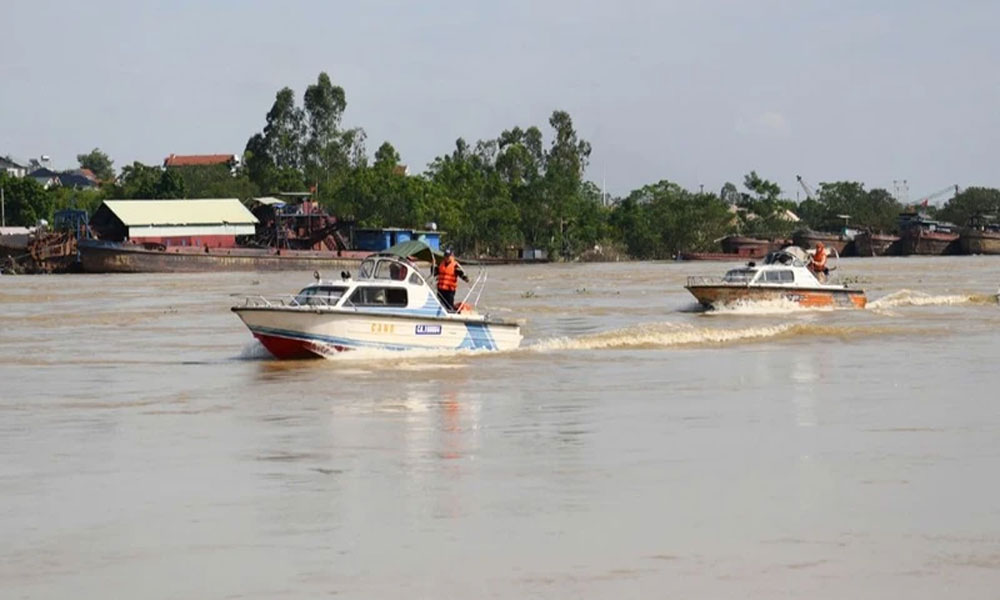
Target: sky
{"x": 698, "y": 93}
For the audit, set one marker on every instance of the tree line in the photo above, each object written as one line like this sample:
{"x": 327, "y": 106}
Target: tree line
{"x": 526, "y": 187}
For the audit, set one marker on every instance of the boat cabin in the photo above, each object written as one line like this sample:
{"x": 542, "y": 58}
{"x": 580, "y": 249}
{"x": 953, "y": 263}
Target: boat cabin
{"x": 749, "y": 275}
{"x": 787, "y": 266}
{"x": 383, "y": 282}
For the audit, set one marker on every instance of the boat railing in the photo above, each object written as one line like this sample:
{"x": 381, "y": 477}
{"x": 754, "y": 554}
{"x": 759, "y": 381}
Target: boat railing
{"x": 288, "y": 300}
{"x": 709, "y": 280}
{"x": 477, "y": 287}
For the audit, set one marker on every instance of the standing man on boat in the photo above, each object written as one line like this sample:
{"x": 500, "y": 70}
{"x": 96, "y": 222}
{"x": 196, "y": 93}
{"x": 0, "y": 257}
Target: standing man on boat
{"x": 817, "y": 263}
{"x": 448, "y": 273}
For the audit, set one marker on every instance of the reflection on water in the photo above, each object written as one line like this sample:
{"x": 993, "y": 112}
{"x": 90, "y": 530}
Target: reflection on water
{"x": 631, "y": 445}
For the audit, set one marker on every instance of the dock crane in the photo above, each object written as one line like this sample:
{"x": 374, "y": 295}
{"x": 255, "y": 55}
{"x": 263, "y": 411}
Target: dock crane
{"x": 929, "y": 199}
{"x": 805, "y": 186}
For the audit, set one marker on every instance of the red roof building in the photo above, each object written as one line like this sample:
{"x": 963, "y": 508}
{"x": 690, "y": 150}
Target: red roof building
{"x": 200, "y": 160}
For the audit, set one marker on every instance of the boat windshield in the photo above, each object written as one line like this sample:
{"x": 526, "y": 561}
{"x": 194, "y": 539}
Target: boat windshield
{"x": 320, "y": 295}
{"x": 740, "y": 275}
{"x": 390, "y": 269}
{"x": 366, "y": 269}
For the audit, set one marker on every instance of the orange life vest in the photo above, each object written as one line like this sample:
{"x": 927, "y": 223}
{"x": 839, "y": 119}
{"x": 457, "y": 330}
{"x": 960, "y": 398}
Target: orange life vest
{"x": 819, "y": 259}
{"x": 448, "y": 275}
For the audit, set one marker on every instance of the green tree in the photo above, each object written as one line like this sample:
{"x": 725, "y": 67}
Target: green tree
{"x": 871, "y": 209}
{"x": 519, "y": 164}
{"x": 25, "y": 200}
{"x": 630, "y": 222}
{"x": 973, "y": 201}
{"x": 216, "y": 181}
{"x": 386, "y": 156}
{"x": 565, "y": 163}
{"x": 139, "y": 181}
{"x": 86, "y": 199}
{"x": 672, "y": 220}
{"x": 764, "y": 211}
{"x": 99, "y": 163}
{"x": 471, "y": 200}
{"x": 328, "y": 149}
{"x": 814, "y": 214}
{"x": 274, "y": 157}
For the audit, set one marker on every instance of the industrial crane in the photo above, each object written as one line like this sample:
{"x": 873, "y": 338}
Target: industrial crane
{"x": 809, "y": 193}
{"x": 929, "y": 199}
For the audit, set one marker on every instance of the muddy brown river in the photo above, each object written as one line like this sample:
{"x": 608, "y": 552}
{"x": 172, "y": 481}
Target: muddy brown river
{"x": 634, "y": 447}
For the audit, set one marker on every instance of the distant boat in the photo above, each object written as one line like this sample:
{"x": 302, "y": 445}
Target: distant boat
{"x": 784, "y": 275}
{"x": 807, "y": 238}
{"x": 745, "y": 247}
{"x": 924, "y": 236}
{"x": 980, "y": 236}
{"x": 870, "y": 243}
{"x": 98, "y": 256}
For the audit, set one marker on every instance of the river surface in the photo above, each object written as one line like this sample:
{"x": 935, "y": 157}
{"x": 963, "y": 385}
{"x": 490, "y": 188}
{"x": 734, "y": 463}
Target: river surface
{"x": 635, "y": 447}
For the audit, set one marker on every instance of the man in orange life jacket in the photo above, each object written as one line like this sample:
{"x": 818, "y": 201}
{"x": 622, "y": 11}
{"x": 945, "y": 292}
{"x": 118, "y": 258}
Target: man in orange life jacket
{"x": 448, "y": 273}
{"x": 817, "y": 264}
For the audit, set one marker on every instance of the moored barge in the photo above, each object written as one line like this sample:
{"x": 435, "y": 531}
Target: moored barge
{"x": 981, "y": 236}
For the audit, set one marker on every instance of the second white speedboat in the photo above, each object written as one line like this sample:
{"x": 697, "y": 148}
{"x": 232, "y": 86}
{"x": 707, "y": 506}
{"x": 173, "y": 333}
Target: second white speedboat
{"x": 782, "y": 276}
{"x": 390, "y": 306}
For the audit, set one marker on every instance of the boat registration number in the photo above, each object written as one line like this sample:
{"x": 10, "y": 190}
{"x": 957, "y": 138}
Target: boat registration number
{"x": 428, "y": 330}
{"x": 383, "y": 327}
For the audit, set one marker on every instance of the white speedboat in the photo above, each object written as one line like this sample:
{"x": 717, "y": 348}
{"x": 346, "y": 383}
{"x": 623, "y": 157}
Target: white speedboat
{"x": 783, "y": 275}
{"x": 389, "y": 306}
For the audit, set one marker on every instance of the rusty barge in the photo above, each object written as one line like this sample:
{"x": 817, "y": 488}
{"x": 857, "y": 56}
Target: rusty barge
{"x": 292, "y": 233}
{"x": 97, "y": 256}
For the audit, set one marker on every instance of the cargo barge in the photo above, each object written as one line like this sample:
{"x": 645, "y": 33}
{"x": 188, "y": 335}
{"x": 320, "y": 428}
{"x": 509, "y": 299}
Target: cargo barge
{"x": 980, "y": 236}
{"x": 97, "y": 256}
{"x": 870, "y": 243}
{"x": 923, "y": 236}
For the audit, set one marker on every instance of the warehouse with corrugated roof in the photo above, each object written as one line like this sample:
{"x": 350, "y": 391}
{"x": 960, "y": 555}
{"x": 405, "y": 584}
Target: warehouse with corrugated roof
{"x": 213, "y": 223}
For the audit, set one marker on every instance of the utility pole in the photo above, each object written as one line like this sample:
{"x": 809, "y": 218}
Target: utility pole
{"x": 604, "y": 188}
{"x": 3, "y": 209}
{"x": 901, "y": 190}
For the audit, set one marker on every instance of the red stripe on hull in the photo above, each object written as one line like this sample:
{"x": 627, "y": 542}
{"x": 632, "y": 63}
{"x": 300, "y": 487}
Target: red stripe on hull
{"x": 288, "y": 348}
{"x": 712, "y": 295}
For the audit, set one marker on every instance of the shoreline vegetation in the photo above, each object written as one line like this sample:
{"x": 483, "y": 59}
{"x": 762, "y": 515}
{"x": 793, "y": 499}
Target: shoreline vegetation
{"x": 524, "y": 189}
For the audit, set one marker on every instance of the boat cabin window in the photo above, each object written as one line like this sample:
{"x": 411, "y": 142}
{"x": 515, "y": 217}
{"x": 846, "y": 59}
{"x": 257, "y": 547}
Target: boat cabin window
{"x": 366, "y": 269}
{"x": 779, "y": 276}
{"x": 379, "y": 296}
{"x": 390, "y": 269}
{"x": 740, "y": 275}
{"x": 320, "y": 295}
{"x": 414, "y": 278}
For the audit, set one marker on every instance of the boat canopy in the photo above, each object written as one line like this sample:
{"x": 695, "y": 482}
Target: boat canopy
{"x": 789, "y": 255}
{"x": 415, "y": 249}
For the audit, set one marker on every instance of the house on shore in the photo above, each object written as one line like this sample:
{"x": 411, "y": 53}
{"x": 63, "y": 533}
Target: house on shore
{"x": 212, "y": 223}
{"x": 13, "y": 166}
{"x": 231, "y": 161}
{"x": 79, "y": 179}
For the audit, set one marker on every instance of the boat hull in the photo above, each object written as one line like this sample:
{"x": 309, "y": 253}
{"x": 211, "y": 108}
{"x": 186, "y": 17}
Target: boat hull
{"x": 808, "y": 239}
{"x": 975, "y": 241}
{"x": 927, "y": 243}
{"x": 875, "y": 244}
{"x": 98, "y": 257}
{"x": 289, "y": 332}
{"x": 745, "y": 247}
{"x": 722, "y": 295}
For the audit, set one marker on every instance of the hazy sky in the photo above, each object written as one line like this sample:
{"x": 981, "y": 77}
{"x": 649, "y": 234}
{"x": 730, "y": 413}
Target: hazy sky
{"x": 695, "y": 92}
